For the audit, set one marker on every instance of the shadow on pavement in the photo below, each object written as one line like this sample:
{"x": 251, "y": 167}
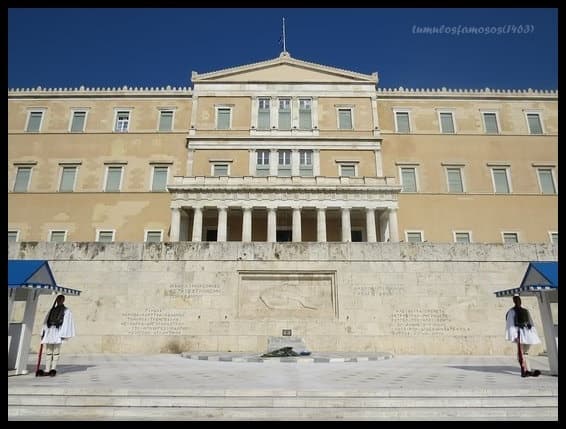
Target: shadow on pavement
{"x": 62, "y": 368}
{"x": 495, "y": 369}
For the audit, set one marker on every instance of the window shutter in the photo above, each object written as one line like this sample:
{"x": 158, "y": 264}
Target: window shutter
{"x": 403, "y": 122}
{"x": 447, "y": 123}
{"x": 490, "y": 123}
{"x": 546, "y": 181}
{"x": 113, "y": 179}
{"x": 68, "y": 179}
{"x": 22, "y": 179}
{"x": 78, "y": 122}
{"x": 34, "y": 121}
{"x": 159, "y": 179}
{"x": 345, "y": 119}
{"x": 409, "y": 179}
{"x": 500, "y": 178}
{"x": 534, "y": 123}
{"x": 223, "y": 119}
{"x": 454, "y": 180}
{"x": 166, "y": 121}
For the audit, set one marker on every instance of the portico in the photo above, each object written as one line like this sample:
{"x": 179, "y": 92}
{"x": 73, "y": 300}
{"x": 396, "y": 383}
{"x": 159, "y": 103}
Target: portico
{"x": 275, "y": 209}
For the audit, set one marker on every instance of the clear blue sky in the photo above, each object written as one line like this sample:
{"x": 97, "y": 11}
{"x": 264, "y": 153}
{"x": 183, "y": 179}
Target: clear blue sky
{"x": 158, "y": 47}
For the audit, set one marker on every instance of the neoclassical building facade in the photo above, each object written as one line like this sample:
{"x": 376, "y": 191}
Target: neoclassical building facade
{"x": 284, "y": 197}
{"x": 282, "y": 150}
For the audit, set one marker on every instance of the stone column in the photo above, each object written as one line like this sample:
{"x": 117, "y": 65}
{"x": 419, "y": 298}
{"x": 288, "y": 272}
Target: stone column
{"x": 222, "y": 224}
{"x": 296, "y": 224}
{"x": 316, "y": 162}
{"x": 273, "y": 162}
{"x": 346, "y": 228}
{"x": 175, "y": 224}
{"x": 252, "y": 162}
{"x": 274, "y": 113}
{"x": 271, "y": 224}
{"x": 255, "y": 108}
{"x": 393, "y": 226}
{"x": 190, "y": 161}
{"x": 314, "y": 113}
{"x": 295, "y": 160}
{"x": 370, "y": 225}
{"x": 321, "y": 224}
{"x": 247, "y": 224}
{"x": 197, "y": 224}
{"x": 378, "y": 163}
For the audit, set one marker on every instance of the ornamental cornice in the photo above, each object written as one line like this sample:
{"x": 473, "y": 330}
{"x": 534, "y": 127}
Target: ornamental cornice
{"x": 123, "y": 91}
{"x": 474, "y": 93}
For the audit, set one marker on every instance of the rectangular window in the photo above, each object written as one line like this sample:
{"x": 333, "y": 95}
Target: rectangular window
{"x": 113, "y": 179}
{"x": 284, "y": 167}
{"x": 284, "y": 114}
{"x": 500, "y": 180}
{"x": 305, "y": 117}
{"x": 58, "y": 236}
{"x": 34, "y": 121}
{"x": 68, "y": 175}
{"x": 462, "y": 237}
{"x": 263, "y": 114}
{"x": 347, "y": 170}
{"x": 414, "y": 237}
{"x": 345, "y": 119}
{"x": 262, "y": 163}
{"x": 13, "y": 236}
{"x": 220, "y": 169}
{"x": 409, "y": 179}
{"x": 305, "y": 163}
{"x": 122, "y": 121}
{"x": 546, "y": 181}
{"x": 159, "y": 180}
{"x": 535, "y": 126}
{"x": 78, "y": 122}
{"x": 105, "y": 236}
{"x": 446, "y": 122}
{"x": 23, "y": 176}
{"x": 554, "y": 238}
{"x": 165, "y": 120}
{"x": 402, "y": 124}
{"x": 454, "y": 175}
{"x": 223, "y": 118}
{"x": 153, "y": 236}
{"x": 510, "y": 238}
{"x": 490, "y": 123}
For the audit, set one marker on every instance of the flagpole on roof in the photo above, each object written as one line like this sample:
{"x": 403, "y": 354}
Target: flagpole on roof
{"x": 284, "y": 46}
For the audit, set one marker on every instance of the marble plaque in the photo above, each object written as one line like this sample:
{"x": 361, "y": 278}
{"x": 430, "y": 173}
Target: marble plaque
{"x": 287, "y": 295}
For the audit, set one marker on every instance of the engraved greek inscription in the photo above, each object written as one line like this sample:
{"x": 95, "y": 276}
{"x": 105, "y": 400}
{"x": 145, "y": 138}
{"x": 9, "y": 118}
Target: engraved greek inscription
{"x": 389, "y": 289}
{"x": 193, "y": 289}
{"x": 153, "y": 321}
{"x": 424, "y": 322}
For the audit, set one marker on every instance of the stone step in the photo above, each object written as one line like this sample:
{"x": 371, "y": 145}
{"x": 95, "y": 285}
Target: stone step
{"x": 278, "y": 402}
{"x": 301, "y": 405}
{"x": 289, "y": 413}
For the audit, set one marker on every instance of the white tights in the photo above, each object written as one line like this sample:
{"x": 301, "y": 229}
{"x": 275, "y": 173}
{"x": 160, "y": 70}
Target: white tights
{"x": 51, "y": 356}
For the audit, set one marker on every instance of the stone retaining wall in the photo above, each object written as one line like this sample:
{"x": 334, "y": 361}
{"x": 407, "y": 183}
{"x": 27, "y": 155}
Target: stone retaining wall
{"x": 398, "y": 297}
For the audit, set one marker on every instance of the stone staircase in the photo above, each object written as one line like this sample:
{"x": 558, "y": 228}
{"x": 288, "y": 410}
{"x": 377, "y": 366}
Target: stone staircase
{"x": 68, "y": 403}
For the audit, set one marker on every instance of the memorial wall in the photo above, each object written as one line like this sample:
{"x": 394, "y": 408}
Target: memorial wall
{"x": 401, "y": 298}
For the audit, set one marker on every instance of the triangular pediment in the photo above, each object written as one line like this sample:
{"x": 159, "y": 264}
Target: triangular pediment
{"x": 284, "y": 69}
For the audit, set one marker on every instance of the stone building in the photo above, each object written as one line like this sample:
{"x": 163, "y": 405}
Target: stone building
{"x": 282, "y": 150}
